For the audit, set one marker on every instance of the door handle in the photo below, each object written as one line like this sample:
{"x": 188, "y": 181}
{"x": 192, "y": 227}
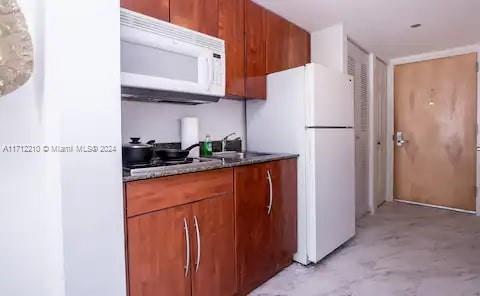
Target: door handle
{"x": 399, "y": 139}
{"x": 187, "y": 243}
{"x": 270, "y": 192}
{"x": 199, "y": 246}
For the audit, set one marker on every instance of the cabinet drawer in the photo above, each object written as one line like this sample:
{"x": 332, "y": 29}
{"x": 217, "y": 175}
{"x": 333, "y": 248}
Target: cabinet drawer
{"x": 161, "y": 193}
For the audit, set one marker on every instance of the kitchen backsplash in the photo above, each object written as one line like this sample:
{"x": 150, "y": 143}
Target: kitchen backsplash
{"x": 233, "y": 145}
{"x": 161, "y": 121}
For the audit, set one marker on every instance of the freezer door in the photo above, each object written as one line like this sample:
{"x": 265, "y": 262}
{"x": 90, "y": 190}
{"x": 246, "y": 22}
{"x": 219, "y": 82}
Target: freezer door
{"x": 329, "y": 98}
{"x": 330, "y": 190}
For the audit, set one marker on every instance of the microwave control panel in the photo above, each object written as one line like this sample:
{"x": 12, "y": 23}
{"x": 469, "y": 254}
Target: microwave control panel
{"x": 218, "y": 69}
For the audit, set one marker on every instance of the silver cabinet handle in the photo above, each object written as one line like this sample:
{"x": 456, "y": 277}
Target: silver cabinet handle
{"x": 269, "y": 178}
{"x": 199, "y": 248}
{"x": 187, "y": 241}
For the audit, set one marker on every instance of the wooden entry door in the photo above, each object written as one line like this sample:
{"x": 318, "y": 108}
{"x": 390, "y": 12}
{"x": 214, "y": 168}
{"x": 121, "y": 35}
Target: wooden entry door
{"x": 435, "y": 110}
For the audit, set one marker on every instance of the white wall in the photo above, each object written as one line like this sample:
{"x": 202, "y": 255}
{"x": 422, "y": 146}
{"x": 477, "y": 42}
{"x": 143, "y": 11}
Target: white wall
{"x": 61, "y": 215}
{"x": 31, "y": 256}
{"x": 161, "y": 121}
{"x": 83, "y": 78}
{"x": 329, "y": 47}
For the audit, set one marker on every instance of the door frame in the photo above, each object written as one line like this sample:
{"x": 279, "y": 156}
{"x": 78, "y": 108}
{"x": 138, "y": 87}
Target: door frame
{"x": 475, "y": 48}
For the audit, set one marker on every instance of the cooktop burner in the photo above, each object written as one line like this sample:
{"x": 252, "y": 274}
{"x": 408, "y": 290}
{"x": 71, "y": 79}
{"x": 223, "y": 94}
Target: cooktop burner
{"x": 157, "y": 165}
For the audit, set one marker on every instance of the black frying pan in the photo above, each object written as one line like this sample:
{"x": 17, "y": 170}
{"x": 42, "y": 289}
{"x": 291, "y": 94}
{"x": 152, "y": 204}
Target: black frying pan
{"x": 174, "y": 154}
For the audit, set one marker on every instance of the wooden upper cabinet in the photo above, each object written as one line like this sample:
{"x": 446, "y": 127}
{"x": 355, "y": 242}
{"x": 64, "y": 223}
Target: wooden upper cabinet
{"x": 278, "y": 43}
{"x": 231, "y": 26}
{"x": 288, "y": 46}
{"x": 159, "y": 9}
{"x": 198, "y": 15}
{"x": 158, "y": 253}
{"x": 255, "y": 51}
{"x": 299, "y": 46}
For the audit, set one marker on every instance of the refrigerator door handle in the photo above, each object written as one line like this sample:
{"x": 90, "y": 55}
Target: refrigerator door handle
{"x": 329, "y": 127}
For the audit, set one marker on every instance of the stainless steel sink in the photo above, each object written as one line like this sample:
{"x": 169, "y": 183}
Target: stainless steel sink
{"x": 237, "y": 155}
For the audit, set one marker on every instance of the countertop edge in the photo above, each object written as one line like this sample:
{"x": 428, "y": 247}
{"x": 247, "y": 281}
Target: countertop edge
{"x": 209, "y": 167}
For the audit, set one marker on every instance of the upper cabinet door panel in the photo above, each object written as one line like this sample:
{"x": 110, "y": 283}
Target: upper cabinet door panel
{"x": 198, "y": 15}
{"x": 278, "y": 43}
{"x": 255, "y": 50}
{"x": 288, "y": 46}
{"x": 299, "y": 47}
{"x": 231, "y": 26}
{"x": 155, "y": 8}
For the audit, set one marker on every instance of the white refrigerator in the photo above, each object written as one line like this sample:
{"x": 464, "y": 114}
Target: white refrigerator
{"x": 310, "y": 111}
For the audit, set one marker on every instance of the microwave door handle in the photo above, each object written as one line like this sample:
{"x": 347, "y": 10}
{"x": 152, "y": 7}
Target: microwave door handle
{"x": 210, "y": 72}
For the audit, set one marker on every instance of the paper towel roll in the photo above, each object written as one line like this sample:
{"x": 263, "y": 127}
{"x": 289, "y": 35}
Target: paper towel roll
{"x": 189, "y": 134}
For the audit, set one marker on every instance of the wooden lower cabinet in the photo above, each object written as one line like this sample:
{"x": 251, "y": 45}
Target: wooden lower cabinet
{"x": 157, "y": 253}
{"x": 184, "y": 250}
{"x": 284, "y": 210}
{"x": 213, "y": 268}
{"x": 235, "y": 229}
{"x": 176, "y": 248}
{"x": 266, "y": 215}
{"x": 254, "y": 236}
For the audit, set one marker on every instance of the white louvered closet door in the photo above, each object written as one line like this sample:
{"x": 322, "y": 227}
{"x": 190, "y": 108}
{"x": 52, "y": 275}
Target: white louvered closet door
{"x": 380, "y": 120}
{"x": 358, "y": 67}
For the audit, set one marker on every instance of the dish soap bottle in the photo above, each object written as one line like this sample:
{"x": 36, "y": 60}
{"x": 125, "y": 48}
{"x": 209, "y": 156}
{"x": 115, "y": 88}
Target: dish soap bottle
{"x": 207, "y": 146}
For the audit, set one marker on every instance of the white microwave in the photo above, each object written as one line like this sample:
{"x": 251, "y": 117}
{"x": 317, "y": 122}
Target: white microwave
{"x": 161, "y": 61}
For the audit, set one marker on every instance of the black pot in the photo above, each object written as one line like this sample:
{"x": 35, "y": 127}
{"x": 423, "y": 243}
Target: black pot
{"x": 136, "y": 152}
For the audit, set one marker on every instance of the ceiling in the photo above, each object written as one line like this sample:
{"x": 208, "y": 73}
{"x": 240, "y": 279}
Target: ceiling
{"x": 383, "y": 26}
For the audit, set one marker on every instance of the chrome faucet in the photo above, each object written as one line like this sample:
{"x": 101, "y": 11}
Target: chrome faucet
{"x": 225, "y": 139}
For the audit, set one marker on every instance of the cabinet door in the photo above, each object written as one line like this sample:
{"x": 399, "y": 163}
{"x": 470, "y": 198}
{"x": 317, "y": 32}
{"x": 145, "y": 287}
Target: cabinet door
{"x": 155, "y": 8}
{"x": 288, "y": 46}
{"x": 284, "y": 210}
{"x": 255, "y": 51}
{"x": 213, "y": 266}
{"x": 254, "y": 235}
{"x": 299, "y": 47}
{"x": 278, "y": 43}
{"x": 198, "y": 15}
{"x": 231, "y": 26}
{"x": 158, "y": 252}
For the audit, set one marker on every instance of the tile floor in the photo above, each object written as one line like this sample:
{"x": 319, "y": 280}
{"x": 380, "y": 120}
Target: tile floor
{"x": 402, "y": 250}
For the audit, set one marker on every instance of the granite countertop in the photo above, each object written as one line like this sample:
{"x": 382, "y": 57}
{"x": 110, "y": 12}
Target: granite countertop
{"x": 206, "y": 166}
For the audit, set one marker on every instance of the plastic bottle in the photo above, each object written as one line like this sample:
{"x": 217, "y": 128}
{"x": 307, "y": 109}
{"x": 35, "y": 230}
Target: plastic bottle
{"x": 207, "y": 149}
